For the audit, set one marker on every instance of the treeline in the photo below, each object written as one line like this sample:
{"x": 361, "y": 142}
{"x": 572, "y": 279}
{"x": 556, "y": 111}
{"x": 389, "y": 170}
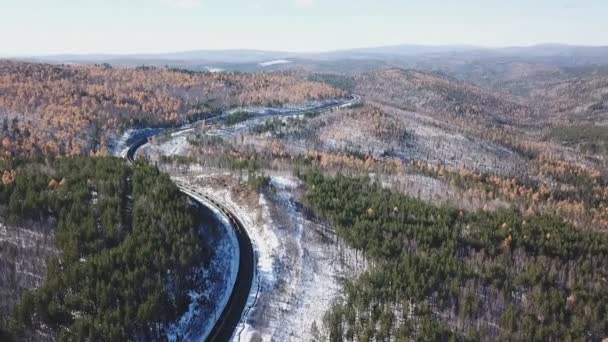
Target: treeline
{"x": 73, "y": 110}
{"x": 438, "y": 273}
{"x": 128, "y": 242}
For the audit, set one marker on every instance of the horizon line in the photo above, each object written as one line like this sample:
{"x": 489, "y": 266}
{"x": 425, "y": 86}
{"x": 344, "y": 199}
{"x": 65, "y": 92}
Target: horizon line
{"x": 307, "y": 52}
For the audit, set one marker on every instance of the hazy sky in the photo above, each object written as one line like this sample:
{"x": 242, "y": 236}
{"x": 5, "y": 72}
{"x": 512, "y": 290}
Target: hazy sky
{"x": 33, "y": 27}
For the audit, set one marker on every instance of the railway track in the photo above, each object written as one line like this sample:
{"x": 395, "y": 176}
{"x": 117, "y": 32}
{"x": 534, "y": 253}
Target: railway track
{"x": 232, "y": 313}
{"x": 230, "y": 317}
{"x": 226, "y": 325}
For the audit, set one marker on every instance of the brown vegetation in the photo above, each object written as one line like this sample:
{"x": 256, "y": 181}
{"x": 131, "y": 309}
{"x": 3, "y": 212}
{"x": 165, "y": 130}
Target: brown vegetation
{"x": 441, "y": 96}
{"x": 66, "y": 110}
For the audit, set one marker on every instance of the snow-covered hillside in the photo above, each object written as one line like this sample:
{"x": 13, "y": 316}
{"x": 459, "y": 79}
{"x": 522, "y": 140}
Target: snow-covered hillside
{"x": 299, "y": 264}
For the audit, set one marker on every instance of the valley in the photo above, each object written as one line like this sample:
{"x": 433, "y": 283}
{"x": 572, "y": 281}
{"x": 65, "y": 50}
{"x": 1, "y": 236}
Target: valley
{"x": 464, "y": 200}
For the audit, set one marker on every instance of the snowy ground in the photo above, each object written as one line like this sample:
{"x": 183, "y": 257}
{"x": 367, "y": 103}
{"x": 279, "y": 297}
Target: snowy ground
{"x": 428, "y": 140}
{"x": 217, "y": 280}
{"x": 24, "y": 256}
{"x": 299, "y": 264}
{"x": 292, "y": 109}
{"x": 177, "y": 145}
{"x": 119, "y": 146}
{"x": 25, "y": 238}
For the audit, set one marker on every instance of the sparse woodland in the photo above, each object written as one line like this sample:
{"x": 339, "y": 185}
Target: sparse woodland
{"x": 442, "y": 96}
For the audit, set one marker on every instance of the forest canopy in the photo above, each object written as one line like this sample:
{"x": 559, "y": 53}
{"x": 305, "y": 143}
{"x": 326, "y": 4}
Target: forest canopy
{"x": 441, "y": 273}
{"x": 118, "y": 227}
{"x": 72, "y": 110}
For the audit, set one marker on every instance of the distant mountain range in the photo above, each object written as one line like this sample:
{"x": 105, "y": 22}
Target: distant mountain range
{"x": 249, "y": 56}
{"x": 346, "y": 60}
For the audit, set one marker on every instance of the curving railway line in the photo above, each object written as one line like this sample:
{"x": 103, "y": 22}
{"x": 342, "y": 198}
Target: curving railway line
{"x": 231, "y": 315}
{"x": 232, "y": 312}
{"x": 226, "y": 324}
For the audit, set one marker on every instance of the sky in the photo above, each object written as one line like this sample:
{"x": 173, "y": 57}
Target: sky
{"x": 43, "y": 27}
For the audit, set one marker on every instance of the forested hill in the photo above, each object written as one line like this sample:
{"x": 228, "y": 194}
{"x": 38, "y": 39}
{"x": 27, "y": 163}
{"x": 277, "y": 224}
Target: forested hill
{"x": 72, "y": 110}
{"x": 439, "y": 273}
{"x": 116, "y": 227}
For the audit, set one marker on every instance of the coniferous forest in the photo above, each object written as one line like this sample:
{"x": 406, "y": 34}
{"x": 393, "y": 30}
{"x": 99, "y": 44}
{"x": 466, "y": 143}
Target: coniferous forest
{"x": 438, "y": 273}
{"x": 128, "y": 241}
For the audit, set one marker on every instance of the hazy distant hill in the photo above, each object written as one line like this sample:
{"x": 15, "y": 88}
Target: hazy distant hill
{"x": 347, "y": 60}
{"x": 227, "y": 56}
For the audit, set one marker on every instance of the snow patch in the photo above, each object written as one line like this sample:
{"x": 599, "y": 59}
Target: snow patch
{"x": 275, "y": 62}
{"x": 175, "y": 146}
{"x": 119, "y": 146}
{"x": 283, "y": 182}
{"x": 213, "y": 69}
